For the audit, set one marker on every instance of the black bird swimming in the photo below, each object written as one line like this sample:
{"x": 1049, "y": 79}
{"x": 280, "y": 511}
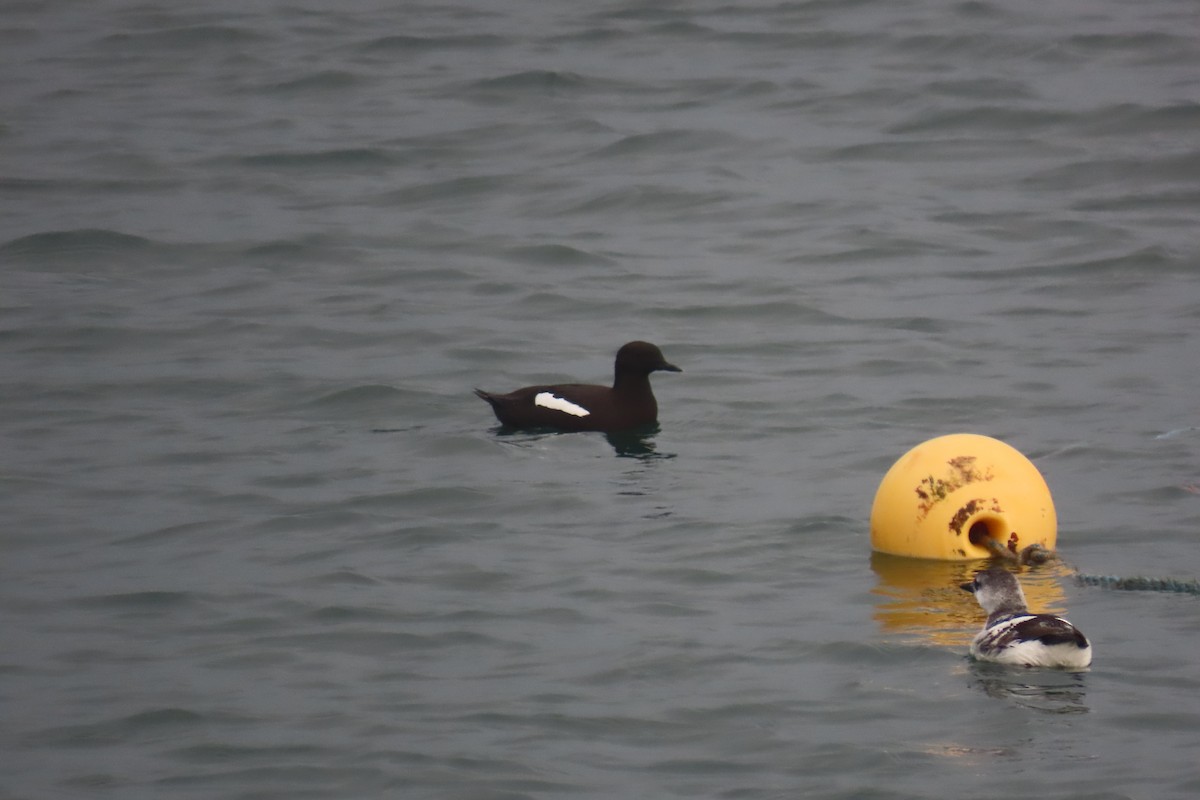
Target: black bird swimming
{"x": 629, "y": 403}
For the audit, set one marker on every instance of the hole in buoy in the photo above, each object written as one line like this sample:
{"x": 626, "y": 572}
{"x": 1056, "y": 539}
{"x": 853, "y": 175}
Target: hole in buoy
{"x": 982, "y": 530}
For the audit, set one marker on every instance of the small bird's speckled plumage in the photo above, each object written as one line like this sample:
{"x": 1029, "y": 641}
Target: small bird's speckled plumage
{"x": 1012, "y": 635}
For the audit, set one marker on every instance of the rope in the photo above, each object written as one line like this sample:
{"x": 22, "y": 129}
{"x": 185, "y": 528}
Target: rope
{"x": 1036, "y": 554}
{"x": 1033, "y": 554}
{"x": 1139, "y": 584}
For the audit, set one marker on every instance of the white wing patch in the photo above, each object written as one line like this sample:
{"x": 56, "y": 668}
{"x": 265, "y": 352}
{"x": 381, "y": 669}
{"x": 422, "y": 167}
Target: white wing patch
{"x": 548, "y": 400}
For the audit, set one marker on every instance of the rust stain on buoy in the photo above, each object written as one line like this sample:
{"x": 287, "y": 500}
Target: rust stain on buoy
{"x": 968, "y": 510}
{"x": 932, "y": 491}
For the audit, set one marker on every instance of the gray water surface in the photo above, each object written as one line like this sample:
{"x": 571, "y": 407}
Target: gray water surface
{"x": 260, "y": 540}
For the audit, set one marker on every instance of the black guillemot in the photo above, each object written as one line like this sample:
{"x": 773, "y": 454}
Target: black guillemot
{"x": 629, "y": 403}
{"x": 1012, "y": 635}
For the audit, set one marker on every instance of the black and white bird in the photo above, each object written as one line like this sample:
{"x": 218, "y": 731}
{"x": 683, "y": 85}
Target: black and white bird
{"x": 629, "y": 403}
{"x": 1012, "y": 635}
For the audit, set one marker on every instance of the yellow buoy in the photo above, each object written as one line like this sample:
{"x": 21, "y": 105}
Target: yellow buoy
{"x": 945, "y": 496}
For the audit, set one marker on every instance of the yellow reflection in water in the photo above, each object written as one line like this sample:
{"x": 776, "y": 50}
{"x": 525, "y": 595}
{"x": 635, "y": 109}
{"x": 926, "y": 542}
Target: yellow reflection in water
{"x": 921, "y": 598}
